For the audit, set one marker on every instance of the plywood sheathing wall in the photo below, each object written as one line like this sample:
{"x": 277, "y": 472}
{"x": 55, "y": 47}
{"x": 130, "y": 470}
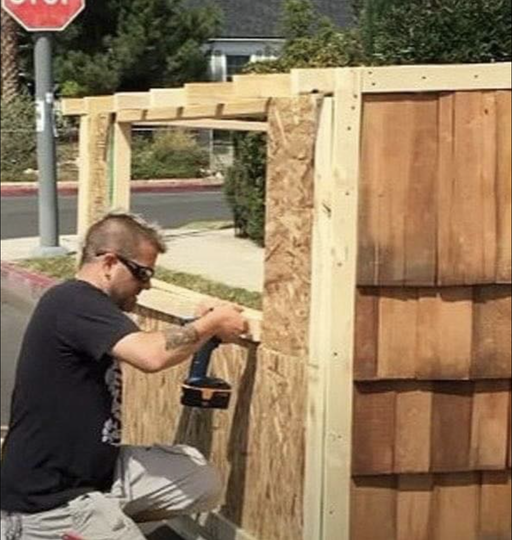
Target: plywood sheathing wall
{"x": 432, "y": 399}
{"x": 259, "y": 444}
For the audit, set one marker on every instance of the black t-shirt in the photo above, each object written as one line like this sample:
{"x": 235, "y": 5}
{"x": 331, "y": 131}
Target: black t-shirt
{"x": 65, "y": 419}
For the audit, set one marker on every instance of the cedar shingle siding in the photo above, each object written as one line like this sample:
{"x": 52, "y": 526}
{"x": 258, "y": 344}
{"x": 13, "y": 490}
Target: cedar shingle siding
{"x": 261, "y": 18}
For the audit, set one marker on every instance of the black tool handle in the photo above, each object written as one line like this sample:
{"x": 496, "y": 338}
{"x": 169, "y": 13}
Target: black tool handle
{"x": 201, "y": 361}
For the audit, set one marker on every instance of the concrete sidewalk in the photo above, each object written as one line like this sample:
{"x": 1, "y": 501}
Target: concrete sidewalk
{"x": 213, "y": 254}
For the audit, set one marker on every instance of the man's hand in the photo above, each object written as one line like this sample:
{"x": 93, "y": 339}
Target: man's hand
{"x": 228, "y": 321}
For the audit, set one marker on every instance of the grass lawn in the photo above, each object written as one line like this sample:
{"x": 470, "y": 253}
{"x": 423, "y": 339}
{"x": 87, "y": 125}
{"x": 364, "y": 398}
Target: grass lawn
{"x": 65, "y": 267}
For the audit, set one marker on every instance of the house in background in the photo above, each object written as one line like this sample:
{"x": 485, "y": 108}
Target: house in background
{"x": 251, "y": 31}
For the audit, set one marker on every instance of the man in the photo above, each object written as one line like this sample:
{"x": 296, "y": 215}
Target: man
{"x": 63, "y": 469}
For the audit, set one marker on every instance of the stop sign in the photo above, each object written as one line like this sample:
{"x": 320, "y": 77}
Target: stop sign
{"x": 44, "y": 15}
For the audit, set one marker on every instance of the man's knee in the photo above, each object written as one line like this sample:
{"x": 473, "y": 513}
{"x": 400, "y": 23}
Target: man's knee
{"x": 210, "y": 489}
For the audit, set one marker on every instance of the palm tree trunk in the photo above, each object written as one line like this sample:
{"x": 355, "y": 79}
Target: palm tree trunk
{"x": 9, "y": 57}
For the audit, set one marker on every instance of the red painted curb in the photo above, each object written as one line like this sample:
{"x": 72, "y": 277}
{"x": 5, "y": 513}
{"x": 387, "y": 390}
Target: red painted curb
{"x": 22, "y": 191}
{"x": 25, "y": 282}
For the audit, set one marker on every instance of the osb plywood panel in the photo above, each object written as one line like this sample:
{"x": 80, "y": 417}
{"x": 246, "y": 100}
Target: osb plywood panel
{"x": 290, "y": 202}
{"x": 435, "y": 189}
{"x": 258, "y": 444}
{"x": 452, "y": 333}
{"x": 422, "y": 427}
{"x": 465, "y": 506}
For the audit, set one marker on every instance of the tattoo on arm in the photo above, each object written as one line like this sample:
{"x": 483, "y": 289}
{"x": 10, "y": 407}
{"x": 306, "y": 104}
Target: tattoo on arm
{"x": 179, "y": 337}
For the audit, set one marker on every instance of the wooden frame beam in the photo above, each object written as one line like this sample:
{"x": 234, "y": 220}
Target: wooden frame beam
{"x": 220, "y": 125}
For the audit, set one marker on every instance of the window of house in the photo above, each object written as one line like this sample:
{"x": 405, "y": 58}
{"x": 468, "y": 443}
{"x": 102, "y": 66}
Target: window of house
{"x": 235, "y": 63}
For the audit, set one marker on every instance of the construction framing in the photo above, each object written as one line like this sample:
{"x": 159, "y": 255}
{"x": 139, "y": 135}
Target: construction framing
{"x": 336, "y": 97}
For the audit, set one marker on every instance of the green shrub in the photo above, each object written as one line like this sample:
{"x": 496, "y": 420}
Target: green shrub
{"x": 385, "y": 32}
{"x": 168, "y": 154}
{"x": 245, "y": 186}
{"x": 436, "y": 31}
{"x": 18, "y": 146}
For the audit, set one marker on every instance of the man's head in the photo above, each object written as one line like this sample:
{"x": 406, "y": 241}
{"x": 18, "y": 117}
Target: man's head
{"x": 119, "y": 256}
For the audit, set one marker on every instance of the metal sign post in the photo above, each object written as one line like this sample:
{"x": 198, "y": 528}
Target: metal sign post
{"x": 45, "y": 17}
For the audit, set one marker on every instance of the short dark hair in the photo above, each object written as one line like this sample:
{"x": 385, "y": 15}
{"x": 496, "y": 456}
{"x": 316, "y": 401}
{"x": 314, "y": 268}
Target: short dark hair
{"x": 122, "y": 233}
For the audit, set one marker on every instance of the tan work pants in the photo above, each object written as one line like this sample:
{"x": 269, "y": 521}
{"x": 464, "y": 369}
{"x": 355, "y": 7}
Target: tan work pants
{"x": 151, "y": 484}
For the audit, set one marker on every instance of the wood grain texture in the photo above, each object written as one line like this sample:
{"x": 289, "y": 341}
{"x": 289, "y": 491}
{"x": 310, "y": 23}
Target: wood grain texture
{"x": 374, "y": 508}
{"x": 398, "y": 313}
{"x": 367, "y": 334}
{"x": 489, "y": 433}
{"x": 445, "y": 318}
{"x": 415, "y": 507}
{"x": 374, "y": 428}
{"x": 289, "y": 224}
{"x": 495, "y": 506}
{"x": 451, "y": 426}
{"x": 504, "y": 188}
{"x": 456, "y": 513}
{"x": 413, "y": 427}
{"x": 467, "y": 182}
{"x": 492, "y": 341}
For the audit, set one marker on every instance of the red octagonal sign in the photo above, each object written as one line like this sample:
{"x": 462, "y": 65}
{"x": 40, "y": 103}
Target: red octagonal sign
{"x": 44, "y": 15}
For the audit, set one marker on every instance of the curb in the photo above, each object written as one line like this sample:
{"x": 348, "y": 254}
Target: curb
{"x": 68, "y": 188}
{"x": 29, "y": 284}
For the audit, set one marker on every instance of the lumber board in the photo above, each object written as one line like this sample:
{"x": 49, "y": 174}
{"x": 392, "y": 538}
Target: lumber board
{"x": 451, "y": 426}
{"x": 313, "y": 81}
{"x": 72, "y": 106}
{"x": 131, "y": 100}
{"x": 212, "y": 92}
{"x": 320, "y": 325}
{"x": 492, "y": 342}
{"x": 263, "y": 86}
{"x": 122, "y": 157}
{"x": 504, "y": 188}
{"x": 450, "y": 78}
{"x": 489, "y": 432}
{"x": 217, "y": 125}
{"x": 167, "y": 97}
{"x": 374, "y": 428}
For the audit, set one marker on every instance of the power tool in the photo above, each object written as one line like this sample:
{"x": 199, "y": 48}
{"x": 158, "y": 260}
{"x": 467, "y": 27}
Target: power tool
{"x": 200, "y": 390}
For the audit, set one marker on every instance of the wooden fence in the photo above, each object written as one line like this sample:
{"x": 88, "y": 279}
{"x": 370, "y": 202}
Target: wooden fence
{"x": 373, "y": 400}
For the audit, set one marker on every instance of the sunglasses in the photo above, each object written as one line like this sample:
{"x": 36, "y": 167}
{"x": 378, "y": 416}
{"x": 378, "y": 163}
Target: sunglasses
{"x": 144, "y": 274}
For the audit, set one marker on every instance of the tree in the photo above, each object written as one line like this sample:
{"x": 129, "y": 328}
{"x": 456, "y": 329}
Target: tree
{"x": 132, "y": 45}
{"x": 10, "y": 58}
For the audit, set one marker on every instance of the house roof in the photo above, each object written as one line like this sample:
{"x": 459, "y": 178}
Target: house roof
{"x": 261, "y": 18}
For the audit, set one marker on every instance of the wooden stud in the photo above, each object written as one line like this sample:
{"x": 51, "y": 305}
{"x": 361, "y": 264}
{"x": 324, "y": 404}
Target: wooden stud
{"x": 218, "y": 125}
{"x": 167, "y": 97}
{"x": 320, "y": 325}
{"x": 73, "y": 107}
{"x": 340, "y": 376}
{"x": 263, "y": 86}
{"x": 313, "y": 81}
{"x": 131, "y": 100}
{"x": 204, "y": 93}
{"x": 122, "y": 166}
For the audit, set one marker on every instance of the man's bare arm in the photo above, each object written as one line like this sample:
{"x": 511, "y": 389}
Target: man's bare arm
{"x": 154, "y": 351}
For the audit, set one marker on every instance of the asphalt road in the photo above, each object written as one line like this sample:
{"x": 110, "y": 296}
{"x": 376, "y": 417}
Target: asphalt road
{"x": 15, "y": 314}
{"x": 19, "y": 214}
